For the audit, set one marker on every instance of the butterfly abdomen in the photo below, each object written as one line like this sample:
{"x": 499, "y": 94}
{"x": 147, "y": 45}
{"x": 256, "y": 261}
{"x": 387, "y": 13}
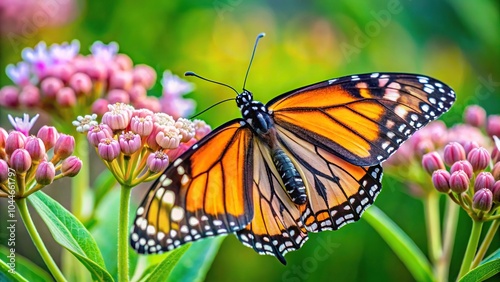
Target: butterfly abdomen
{"x": 294, "y": 185}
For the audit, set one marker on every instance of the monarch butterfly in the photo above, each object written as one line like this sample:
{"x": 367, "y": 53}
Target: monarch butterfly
{"x": 307, "y": 161}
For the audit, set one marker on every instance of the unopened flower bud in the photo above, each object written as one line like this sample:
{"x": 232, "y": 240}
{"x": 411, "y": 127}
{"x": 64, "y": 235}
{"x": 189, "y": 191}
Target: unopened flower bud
{"x": 475, "y": 116}
{"x": 35, "y": 148}
{"x": 64, "y": 146}
{"x": 99, "y": 132}
{"x": 123, "y": 62}
{"x": 453, "y": 152}
{"x": 118, "y": 96}
{"x": 479, "y": 158}
{"x": 9, "y": 96}
{"x": 459, "y": 182}
{"x": 142, "y": 125}
{"x": 71, "y": 166}
{"x": 81, "y": 83}
{"x": 440, "y": 179}
{"x": 118, "y": 117}
{"x": 496, "y": 192}
{"x": 169, "y": 137}
{"x": 484, "y": 180}
{"x": 3, "y": 137}
{"x": 66, "y": 97}
{"x": 20, "y": 160}
{"x": 45, "y": 173}
{"x": 4, "y": 171}
{"x": 482, "y": 200}
{"x": 137, "y": 92}
{"x": 463, "y": 165}
{"x": 48, "y": 135}
{"x": 29, "y": 96}
{"x": 50, "y": 86}
{"x": 145, "y": 75}
{"x": 493, "y": 125}
{"x": 496, "y": 171}
{"x": 432, "y": 162}
{"x": 108, "y": 149}
{"x": 157, "y": 161}
{"x": 15, "y": 140}
{"x": 129, "y": 142}
{"x": 121, "y": 80}
{"x": 100, "y": 106}
{"x": 469, "y": 145}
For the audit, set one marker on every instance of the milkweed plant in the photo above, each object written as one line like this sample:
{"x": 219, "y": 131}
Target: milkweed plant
{"x": 97, "y": 106}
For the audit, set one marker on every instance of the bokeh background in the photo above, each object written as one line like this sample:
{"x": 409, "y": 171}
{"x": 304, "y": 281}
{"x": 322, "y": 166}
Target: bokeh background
{"x": 307, "y": 41}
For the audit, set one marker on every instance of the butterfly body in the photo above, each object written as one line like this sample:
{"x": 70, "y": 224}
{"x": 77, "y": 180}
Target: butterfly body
{"x": 307, "y": 161}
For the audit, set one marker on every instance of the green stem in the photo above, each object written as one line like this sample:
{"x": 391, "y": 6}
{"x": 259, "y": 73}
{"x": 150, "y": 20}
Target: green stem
{"x": 450, "y": 219}
{"x": 486, "y": 243}
{"x": 471, "y": 247}
{"x": 37, "y": 240}
{"x": 123, "y": 228}
{"x": 431, "y": 206}
{"x": 80, "y": 182}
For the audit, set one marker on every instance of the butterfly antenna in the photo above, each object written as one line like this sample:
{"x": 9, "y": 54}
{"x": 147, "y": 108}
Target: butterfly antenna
{"x": 218, "y": 103}
{"x": 190, "y": 73}
{"x": 251, "y": 58}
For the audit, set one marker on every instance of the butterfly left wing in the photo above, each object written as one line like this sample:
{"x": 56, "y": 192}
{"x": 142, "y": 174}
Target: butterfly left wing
{"x": 202, "y": 193}
{"x": 363, "y": 118}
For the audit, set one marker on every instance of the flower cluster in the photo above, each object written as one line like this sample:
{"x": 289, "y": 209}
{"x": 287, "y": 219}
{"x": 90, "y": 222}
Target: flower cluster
{"x": 58, "y": 78}
{"x": 137, "y": 144}
{"x": 32, "y": 162}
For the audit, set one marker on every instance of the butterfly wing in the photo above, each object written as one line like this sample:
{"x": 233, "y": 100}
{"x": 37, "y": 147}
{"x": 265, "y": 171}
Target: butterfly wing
{"x": 364, "y": 118}
{"x": 338, "y": 192}
{"x": 276, "y": 227}
{"x": 202, "y": 193}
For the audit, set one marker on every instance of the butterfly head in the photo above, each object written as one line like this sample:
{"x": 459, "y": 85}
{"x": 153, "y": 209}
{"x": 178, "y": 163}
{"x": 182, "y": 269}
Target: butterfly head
{"x": 244, "y": 98}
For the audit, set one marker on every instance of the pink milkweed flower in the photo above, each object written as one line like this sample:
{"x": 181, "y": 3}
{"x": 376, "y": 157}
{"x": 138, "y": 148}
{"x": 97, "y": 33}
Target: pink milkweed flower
{"x": 440, "y": 179}
{"x": 24, "y": 124}
{"x": 49, "y": 136}
{"x": 64, "y": 147}
{"x": 169, "y": 137}
{"x": 15, "y": 140}
{"x": 45, "y": 173}
{"x": 20, "y": 74}
{"x": 20, "y": 160}
{"x": 176, "y": 106}
{"x": 99, "y": 132}
{"x": 482, "y": 200}
{"x": 163, "y": 119}
{"x": 173, "y": 89}
{"x": 9, "y": 96}
{"x": 201, "y": 129}
{"x": 71, "y": 166}
{"x": 64, "y": 52}
{"x": 104, "y": 53}
{"x": 142, "y": 125}
{"x": 108, "y": 149}
{"x": 157, "y": 161}
{"x": 129, "y": 142}
{"x": 186, "y": 129}
{"x": 39, "y": 58}
{"x": 35, "y": 148}
{"x": 118, "y": 117}
{"x": 475, "y": 116}
{"x": 173, "y": 85}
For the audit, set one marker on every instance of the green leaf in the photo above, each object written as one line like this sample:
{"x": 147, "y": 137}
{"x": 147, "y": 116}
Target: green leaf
{"x": 400, "y": 243}
{"x": 71, "y": 234}
{"x": 25, "y": 270}
{"x": 163, "y": 269}
{"x": 196, "y": 262}
{"x": 488, "y": 267}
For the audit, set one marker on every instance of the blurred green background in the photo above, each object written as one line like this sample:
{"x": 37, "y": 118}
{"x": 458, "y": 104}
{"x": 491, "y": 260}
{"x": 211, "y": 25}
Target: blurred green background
{"x": 307, "y": 41}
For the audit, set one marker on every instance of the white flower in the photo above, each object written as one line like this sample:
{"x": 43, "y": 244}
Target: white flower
{"x": 23, "y": 125}
{"x": 84, "y": 124}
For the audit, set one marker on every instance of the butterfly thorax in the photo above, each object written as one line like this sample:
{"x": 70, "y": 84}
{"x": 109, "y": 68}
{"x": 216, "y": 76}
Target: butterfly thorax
{"x": 258, "y": 116}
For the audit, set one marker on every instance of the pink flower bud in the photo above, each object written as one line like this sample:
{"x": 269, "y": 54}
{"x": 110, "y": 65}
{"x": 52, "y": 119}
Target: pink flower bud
{"x": 29, "y": 96}
{"x": 118, "y": 117}
{"x": 45, "y": 173}
{"x": 469, "y": 145}
{"x": 496, "y": 171}
{"x": 496, "y": 192}
{"x": 71, "y": 166}
{"x": 100, "y": 106}
{"x": 20, "y": 160}
{"x": 96, "y": 70}
{"x": 97, "y": 133}
{"x": 157, "y": 161}
{"x": 118, "y": 96}
{"x": 121, "y": 80}
{"x": 453, "y": 152}
{"x": 183, "y": 147}
{"x": 137, "y": 92}
{"x": 151, "y": 138}
{"x": 35, "y": 148}
{"x": 66, "y": 97}
{"x": 62, "y": 71}
{"x": 108, "y": 149}
{"x": 495, "y": 154}
{"x": 15, "y": 140}
{"x": 462, "y": 165}
{"x": 459, "y": 182}
{"x": 493, "y": 125}
{"x": 150, "y": 103}
{"x": 440, "y": 180}
{"x": 50, "y": 86}
{"x": 48, "y": 135}
{"x": 201, "y": 129}
{"x": 482, "y": 200}
{"x": 81, "y": 83}
{"x": 4, "y": 171}
{"x": 129, "y": 143}
{"x": 144, "y": 75}
{"x": 3, "y": 138}
{"x": 475, "y": 116}
{"x": 64, "y": 146}
{"x": 479, "y": 158}
{"x": 432, "y": 162}
{"x": 484, "y": 180}
{"x": 123, "y": 62}
{"x": 142, "y": 113}
{"x": 169, "y": 137}
{"x": 9, "y": 96}
{"x": 142, "y": 125}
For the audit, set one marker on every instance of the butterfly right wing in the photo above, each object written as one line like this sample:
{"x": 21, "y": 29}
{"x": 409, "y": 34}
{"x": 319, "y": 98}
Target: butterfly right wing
{"x": 202, "y": 193}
